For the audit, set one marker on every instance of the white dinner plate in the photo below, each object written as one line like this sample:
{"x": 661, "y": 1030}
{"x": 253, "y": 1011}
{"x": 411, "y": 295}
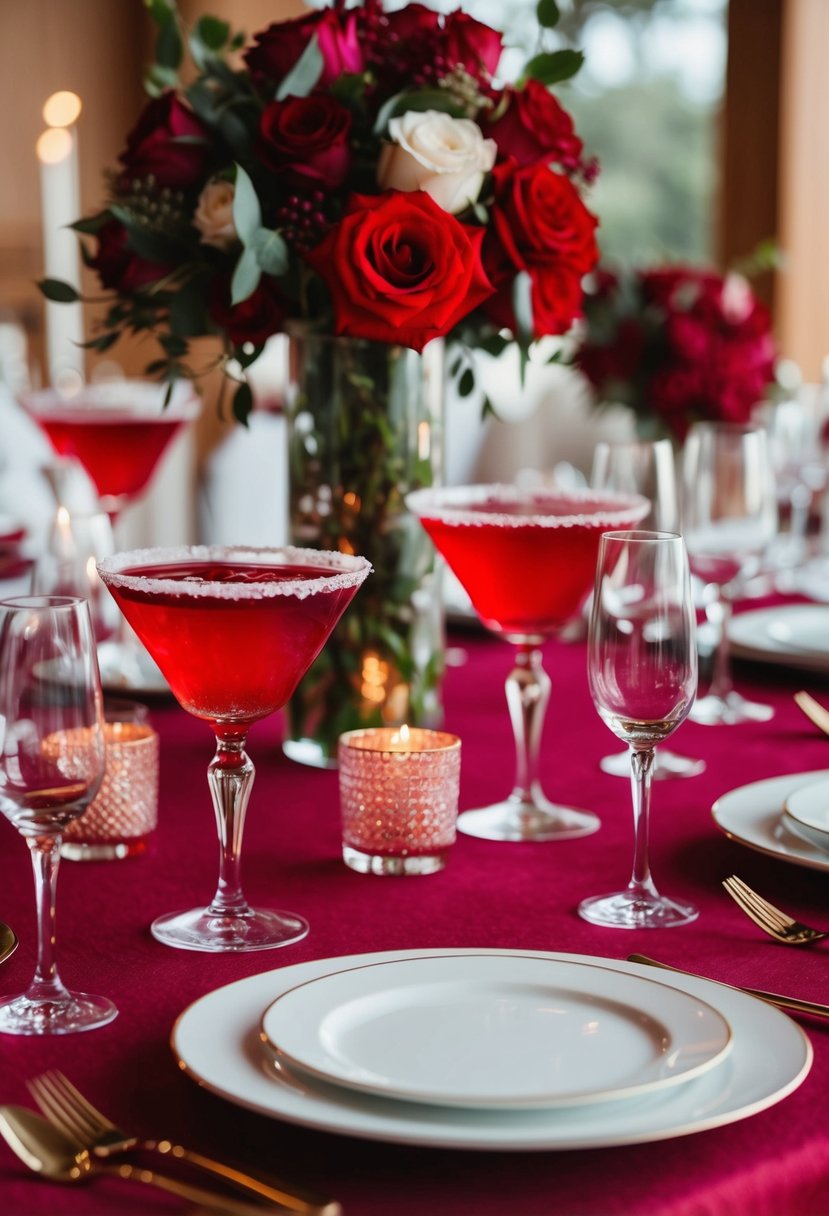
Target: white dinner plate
{"x": 795, "y": 635}
{"x": 753, "y": 814}
{"x": 216, "y": 1041}
{"x": 493, "y": 1031}
{"x": 808, "y": 809}
{"x": 141, "y": 676}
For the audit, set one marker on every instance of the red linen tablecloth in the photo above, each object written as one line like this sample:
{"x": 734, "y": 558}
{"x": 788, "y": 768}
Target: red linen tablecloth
{"x": 523, "y": 896}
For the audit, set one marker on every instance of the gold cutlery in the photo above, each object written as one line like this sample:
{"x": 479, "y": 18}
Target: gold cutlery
{"x": 779, "y": 925}
{"x": 8, "y": 941}
{"x": 789, "y": 1003}
{"x": 813, "y": 710}
{"x": 50, "y": 1153}
{"x": 67, "y": 1108}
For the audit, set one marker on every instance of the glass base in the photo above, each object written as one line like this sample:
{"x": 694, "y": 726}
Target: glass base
{"x": 202, "y": 929}
{"x": 103, "y": 850}
{"x": 375, "y": 863}
{"x": 77, "y": 1011}
{"x": 728, "y": 710}
{"x": 625, "y": 910}
{"x": 308, "y": 751}
{"x": 520, "y": 819}
{"x": 666, "y": 765}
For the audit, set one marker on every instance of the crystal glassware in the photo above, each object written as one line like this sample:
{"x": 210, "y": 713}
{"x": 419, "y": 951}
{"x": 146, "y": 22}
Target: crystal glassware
{"x": 51, "y": 763}
{"x": 642, "y": 668}
{"x": 644, "y": 467}
{"x": 729, "y": 518}
{"x": 233, "y": 629}
{"x": 526, "y": 559}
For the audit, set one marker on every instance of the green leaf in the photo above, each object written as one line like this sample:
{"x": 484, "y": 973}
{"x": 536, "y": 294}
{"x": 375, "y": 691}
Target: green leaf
{"x": 304, "y": 75}
{"x": 169, "y": 49}
{"x": 551, "y": 67}
{"x": 212, "y": 32}
{"x": 547, "y": 13}
{"x": 90, "y": 224}
{"x": 157, "y": 79}
{"x": 59, "y": 292}
{"x": 247, "y": 214}
{"x": 271, "y": 251}
{"x": 522, "y": 306}
{"x": 466, "y": 384}
{"x": 161, "y": 11}
{"x": 242, "y": 403}
{"x": 422, "y": 99}
{"x": 187, "y": 311}
{"x": 246, "y": 276}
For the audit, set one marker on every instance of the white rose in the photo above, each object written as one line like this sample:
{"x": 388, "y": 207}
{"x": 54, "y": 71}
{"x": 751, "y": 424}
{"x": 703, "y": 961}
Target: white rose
{"x": 447, "y": 157}
{"x": 214, "y": 214}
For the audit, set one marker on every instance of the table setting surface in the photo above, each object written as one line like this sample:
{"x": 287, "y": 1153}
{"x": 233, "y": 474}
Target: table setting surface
{"x": 516, "y": 898}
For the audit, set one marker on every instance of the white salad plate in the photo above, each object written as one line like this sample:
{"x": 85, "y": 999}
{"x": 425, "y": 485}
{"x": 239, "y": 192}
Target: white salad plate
{"x": 217, "y": 1043}
{"x": 754, "y": 815}
{"x": 489, "y": 1031}
{"x": 794, "y": 635}
{"x": 808, "y": 810}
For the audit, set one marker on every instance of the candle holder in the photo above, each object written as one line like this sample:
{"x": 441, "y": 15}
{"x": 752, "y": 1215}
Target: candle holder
{"x": 399, "y": 799}
{"x": 124, "y": 812}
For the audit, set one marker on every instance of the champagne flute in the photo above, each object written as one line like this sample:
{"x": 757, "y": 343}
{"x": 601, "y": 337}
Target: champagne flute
{"x": 729, "y": 514}
{"x": 647, "y": 468}
{"x": 51, "y": 764}
{"x": 642, "y": 668}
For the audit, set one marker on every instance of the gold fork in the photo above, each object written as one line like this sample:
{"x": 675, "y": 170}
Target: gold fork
{"x": 67, "y": 1108}
{"x": 770, "y": 919}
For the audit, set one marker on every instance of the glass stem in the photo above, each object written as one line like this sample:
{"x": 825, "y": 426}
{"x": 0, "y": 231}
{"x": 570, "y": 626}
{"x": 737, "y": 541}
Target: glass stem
{"x": 718, "y": 613}
{"x": 46, "y": 984}
{"x": 528, "y": 692}
{"x": 641, "y": 771}
{"x": 230, "y": 775}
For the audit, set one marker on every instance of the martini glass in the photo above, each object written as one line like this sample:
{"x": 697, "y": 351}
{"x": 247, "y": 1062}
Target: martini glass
{"x": 644, "y": 467}
{"x": 118, "y": 431}
{"x": 526, "y": 559}
{"x": 233, "y": 630}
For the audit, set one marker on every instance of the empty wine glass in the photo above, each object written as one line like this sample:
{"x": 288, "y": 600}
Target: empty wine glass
{"x": 729, "y": 515}
{"x": 51, "y": 764}
{"x": 642, "y": 668}
{"x": 644, "y": 467}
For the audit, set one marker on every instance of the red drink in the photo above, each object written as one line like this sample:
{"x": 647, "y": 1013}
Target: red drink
{"x": 526, "y": 562}
{"x": 233, "y": 638}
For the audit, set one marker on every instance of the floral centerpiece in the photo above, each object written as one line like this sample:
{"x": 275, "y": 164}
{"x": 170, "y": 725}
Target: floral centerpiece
{"x": 365, "y": 176}
{"x": 677, "y": 344}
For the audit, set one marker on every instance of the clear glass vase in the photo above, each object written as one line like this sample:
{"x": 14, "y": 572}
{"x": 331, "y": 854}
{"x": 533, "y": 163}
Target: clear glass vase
{"x": 365, "y": 428}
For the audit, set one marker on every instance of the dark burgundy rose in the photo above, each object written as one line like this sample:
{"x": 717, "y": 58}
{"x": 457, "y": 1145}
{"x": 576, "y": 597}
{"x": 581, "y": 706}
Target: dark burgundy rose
{"x": 534, "y": 127}
{"x": 306, "y": 138}
{"x": 169, "y": 143}
{"x": 255, "y": 319}
{"x": 471, "y": 44}
{"x": 118, "y": 268}
{"x": 278, "y": 48}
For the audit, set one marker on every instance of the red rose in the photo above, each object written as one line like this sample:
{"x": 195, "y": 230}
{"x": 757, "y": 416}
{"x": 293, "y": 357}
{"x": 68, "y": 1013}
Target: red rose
{"x": 540, "y": 226}
{"x": 471, "y": 44}
{"x": 400, "y": 269}
{"x": 535, "y": 127}
{"x": 307, "y": 139}
{"x": 255, "y": 319}
{"x": 169, "y": 143}
{"x": 118, "y": 268}
{"x": 279, "y": 47}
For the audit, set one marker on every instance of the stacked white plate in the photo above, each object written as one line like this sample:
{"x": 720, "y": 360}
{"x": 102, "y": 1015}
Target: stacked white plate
{"x": 791, "y": 635}
{"x": 491, "y": 1049}
{"x": 785, "y": 817}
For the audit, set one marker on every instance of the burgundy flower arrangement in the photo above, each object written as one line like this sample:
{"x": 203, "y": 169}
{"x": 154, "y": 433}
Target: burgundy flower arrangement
{"x": 677, "y": 344}
{"x": 355, "y": 168}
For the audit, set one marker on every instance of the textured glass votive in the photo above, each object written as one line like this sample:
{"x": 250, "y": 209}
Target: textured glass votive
{"x": 399, "y": 798}
{"x": 118, "y": 822}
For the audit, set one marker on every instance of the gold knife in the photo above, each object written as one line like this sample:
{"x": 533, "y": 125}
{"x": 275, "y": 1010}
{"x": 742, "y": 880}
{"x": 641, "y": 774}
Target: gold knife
{"x": 793, "y": 1003}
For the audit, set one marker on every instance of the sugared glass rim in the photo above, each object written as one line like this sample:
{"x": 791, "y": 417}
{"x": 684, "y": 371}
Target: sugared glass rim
{"x": 121, "y": 400}
{"x": 453, "y": 503}
{"x": 351, "y": 573}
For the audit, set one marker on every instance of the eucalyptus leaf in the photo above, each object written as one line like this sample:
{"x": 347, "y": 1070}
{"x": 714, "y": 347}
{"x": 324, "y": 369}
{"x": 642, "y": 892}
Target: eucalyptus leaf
{"x": 522, "y": 307}
{"x": 423, "y": 99}
{"x": 59, "y": 292}
{"x": 547, "y": 13}
{"x": 169, "y": 48}
{"x": 247, "y": 214}
{"x": 246, "y": 276}
{"x": 271, "y": 251}
{"x": 157, "y": 79}
{"x": 242, "y": 403}
{"x": 551, "y": 67}
{"x": 161, "y": 11}
{"x": 466, "y": 384}
{"x": 305, "y": 74}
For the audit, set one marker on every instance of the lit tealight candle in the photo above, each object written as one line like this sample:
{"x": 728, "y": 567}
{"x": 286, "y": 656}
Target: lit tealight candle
{"x": 399, "y": 798}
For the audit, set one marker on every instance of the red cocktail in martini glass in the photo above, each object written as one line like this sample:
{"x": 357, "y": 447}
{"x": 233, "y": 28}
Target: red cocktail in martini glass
{"x": 233, "y": 630}
{"x": 527, "y": 559}
{"x": 118, "y": 431}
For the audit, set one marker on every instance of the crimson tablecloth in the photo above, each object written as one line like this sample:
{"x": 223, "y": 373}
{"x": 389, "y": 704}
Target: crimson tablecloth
{"x": 490, "y": 895}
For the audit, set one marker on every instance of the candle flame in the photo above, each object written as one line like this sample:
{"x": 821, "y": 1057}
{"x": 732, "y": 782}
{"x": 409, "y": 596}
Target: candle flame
{"x": 54, "y": 145}
{"x": 62, "y": 109}
{"x": 400, "y": 738}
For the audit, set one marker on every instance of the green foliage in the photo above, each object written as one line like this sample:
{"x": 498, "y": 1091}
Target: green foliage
{"x": 552, "y": 67}
{"x": 58, "y": 292}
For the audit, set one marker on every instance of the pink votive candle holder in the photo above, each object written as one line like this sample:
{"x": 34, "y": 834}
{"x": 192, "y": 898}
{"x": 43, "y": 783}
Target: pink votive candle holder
{"x": 399, "y": 798}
